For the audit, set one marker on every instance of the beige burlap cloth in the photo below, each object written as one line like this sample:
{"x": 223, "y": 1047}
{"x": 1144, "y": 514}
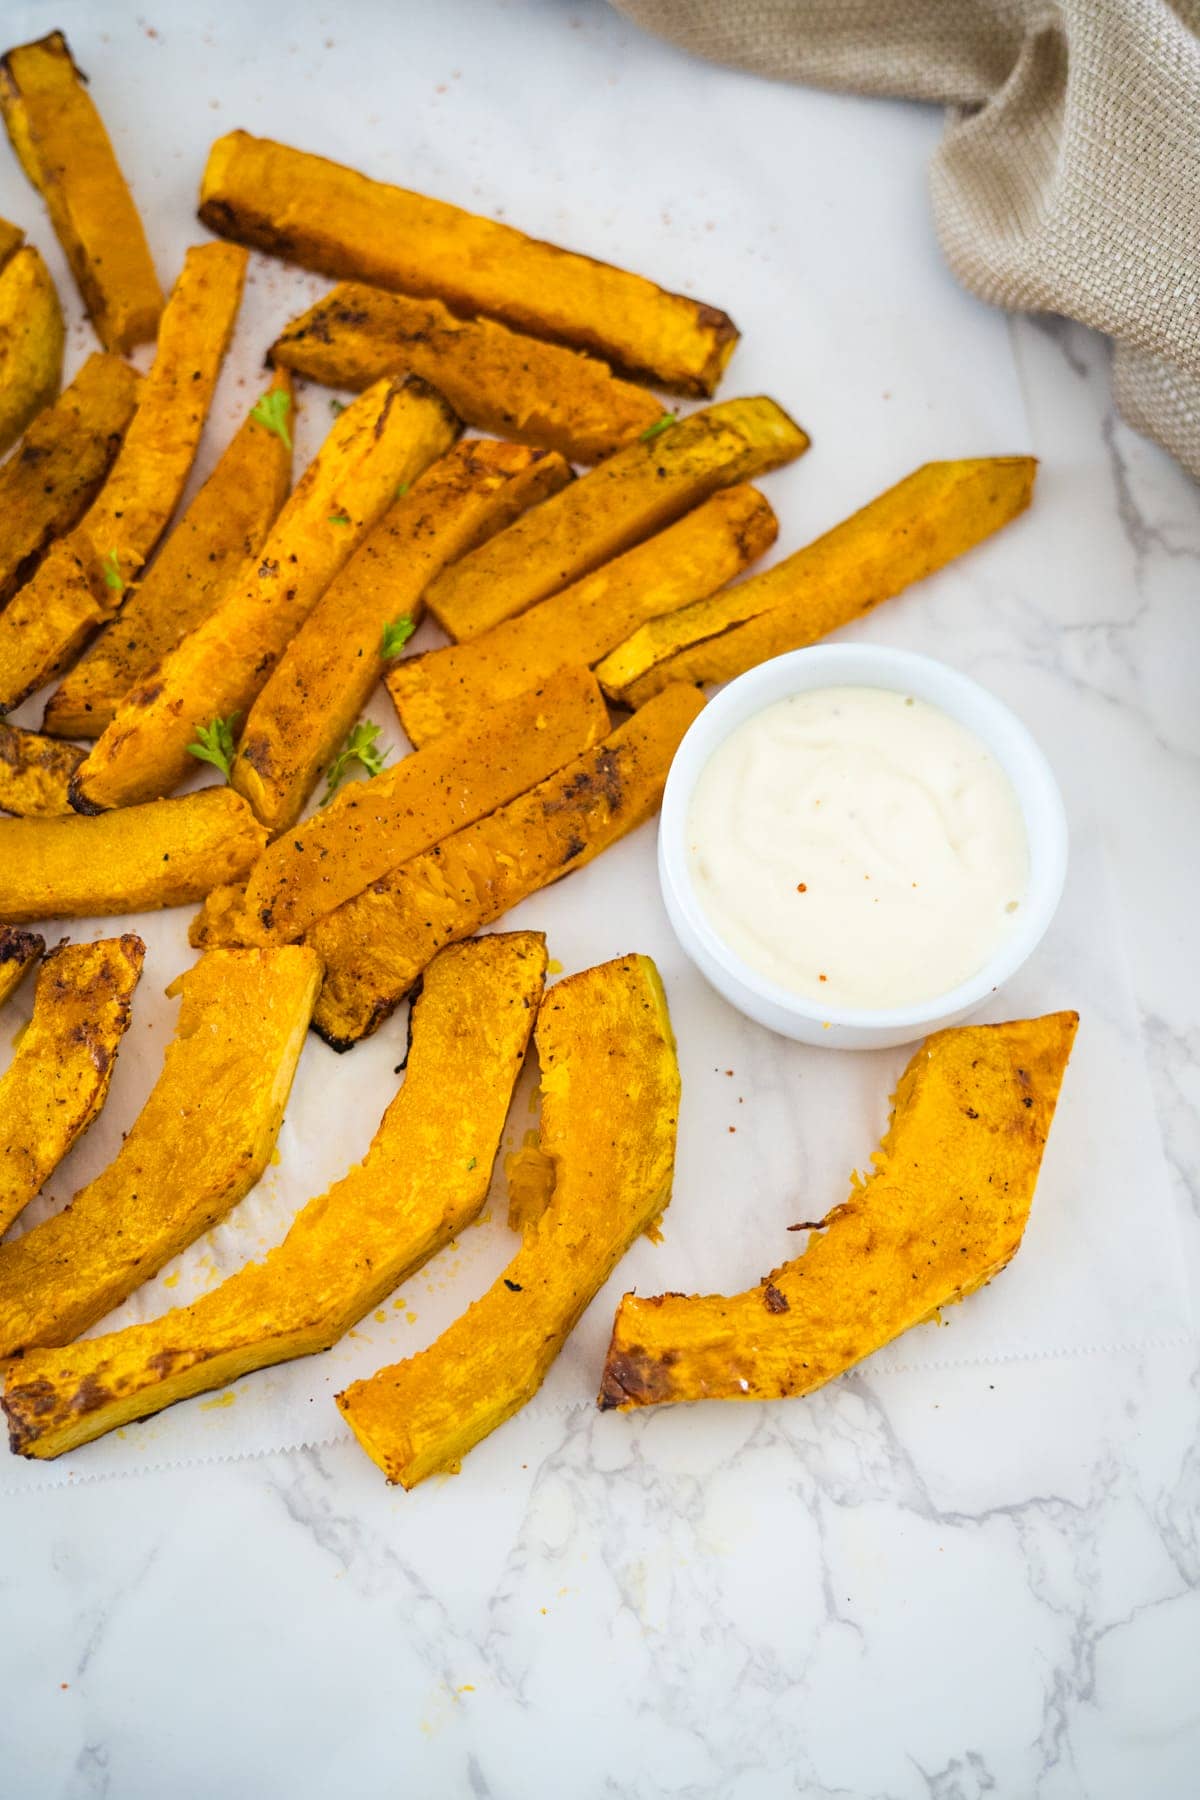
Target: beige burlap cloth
{"x": 1068, "y": 179}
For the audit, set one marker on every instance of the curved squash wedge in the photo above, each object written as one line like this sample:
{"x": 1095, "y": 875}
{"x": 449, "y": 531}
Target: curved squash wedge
{"x": 942, "y": 1212}
{"x": 198, "y": 1145}
{"x": 35, "y": 773}
{"x": 19, "y": 952}
{"x": 423, "y": 1180}
{"x": 31, "y": 342}
{"x": 58, "y": 1080}
{"x": 610, "y": 1101}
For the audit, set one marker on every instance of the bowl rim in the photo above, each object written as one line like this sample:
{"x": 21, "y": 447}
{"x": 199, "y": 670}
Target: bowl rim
{"x": 964, "y": 699}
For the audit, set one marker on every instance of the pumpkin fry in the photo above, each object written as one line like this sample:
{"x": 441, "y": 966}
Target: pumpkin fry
{"x": 166, "y": 854}
{"x": 922, "y": 523}
{"x": 376, "y": 945}
{"x": 610, "y": 1101}
{"x": 31, "y": 342}
{"x": 696, "y": 555}
{"x": 424, "y": 1179}
{"x": 198, "y": 1145}
{"x": 226, "y": 524}
{"x": 64, "y": 149}
{"x": 637, "y": 492}
{"x": 82, "y": 581}
{"x": 19, "y": 952}
{"x": 329, "y": 218}
{"x": 66, "y": 455}
{"x": 971, "y": 1113}
{"x": 325, "y": 676}
{"x": 35, "y": 773}
{"x": 498, "y": 381}
{"x": 58, "y": 1080}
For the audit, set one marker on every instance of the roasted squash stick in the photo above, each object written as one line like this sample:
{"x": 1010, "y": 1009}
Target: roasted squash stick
{"x": 693, "y": 557}
{"x": 327, "y": 672}
{"x": 58, "y": 1079}
{"x": 64, "y": 149}
{"x": 31, "y": 342}
{"x": 82, "y": 580}
{"x": 610, "y": 1101}
{"x": 383, "y": 439}
{"x": 942, "y": 1212}
{"x": 376, "y": 946}
{"x": 197, "y": 1147}
{"x": 19, "y": 951}
{"x": 329, "y": 218}
{"x": 375, "y": 825}
{"x": 226, "y": 523}
{"x": 166, "y": 854}
{"x": 35, "y": 773}
{"x": 934, "y": 515}
{"x": 496, "y": 380}
{"x": 56, "y": 474}
{"x": 423, "y": 1180}
{"x": 610, "y": 509}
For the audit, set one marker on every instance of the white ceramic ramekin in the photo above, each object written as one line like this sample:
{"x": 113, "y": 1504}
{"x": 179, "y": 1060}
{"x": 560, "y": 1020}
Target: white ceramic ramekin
{"x": 861, "y": 665}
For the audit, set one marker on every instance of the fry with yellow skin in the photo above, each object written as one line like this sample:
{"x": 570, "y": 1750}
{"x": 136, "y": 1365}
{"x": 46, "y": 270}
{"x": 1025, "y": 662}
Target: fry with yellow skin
{"x": 35, "y": 773}
{"x": 423, "y": 1181}
{"x": 19, "y": 952}
{"x": 168, "y": 853}
{"x": 197, "y": 1147}
{"x": 31, "y": 342}
{"x": 64, "y": 149}
{"x": 633, "y": 494}
{"x": 226, "y": 524}
{"x": 376, "y": 946}
{"x": 610, "y": 1101}
{"x": 707, "y": 547}
{"x": 498, "y": 381}
{"x": 942, "y": 1212}
{"x": 383, "y": 439}
{"x": 332, "y": 219}
{"x": 58, "y": 1080}
{"x": 329, "y": 669}
{"x": 916, "y": 527}
{"x": 83, "y": 579}
{"x": 50, "y": 482}
{"x": 374, "y": 826}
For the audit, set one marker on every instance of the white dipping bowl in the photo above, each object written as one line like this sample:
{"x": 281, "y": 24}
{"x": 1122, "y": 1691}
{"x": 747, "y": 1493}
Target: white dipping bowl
{"x": 861, "y": 665}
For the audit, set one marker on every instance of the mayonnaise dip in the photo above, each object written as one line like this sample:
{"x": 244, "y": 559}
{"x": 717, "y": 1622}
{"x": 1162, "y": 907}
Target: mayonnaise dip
{"x": 858, "y": 847}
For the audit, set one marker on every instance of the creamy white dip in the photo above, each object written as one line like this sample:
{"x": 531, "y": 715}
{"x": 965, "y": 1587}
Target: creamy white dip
{"x": 859, "y": 847}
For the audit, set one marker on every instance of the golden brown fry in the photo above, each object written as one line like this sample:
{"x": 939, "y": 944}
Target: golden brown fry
{"x": 58, "y": 1080}
{"x": 166, "y": 854}
{"x": 385, "y": 438}
{"x": 906, "y": 533}
{"x": 64, "y": 149}
{"x": 615, "y": 506}
{"x": 375, "y": 825}
{"x": 376, "y": 946}
{"x": 423, "y": 1180}
{"x": 196, "y": 1148}
{"x": 497, "y": 380}
{"x": 942, "y": 1212}
{"x": 19, "y": 951}
{"x": 83, "y": 579}
{"x": 327, "y": 217}
{"x": 691, "y": 558}
{"x": 11, "y": 239}
{"x": 327, "y": 672}
{"x": 55, "y": 475}
{"x": 610, "y": 1100}
{"x": 31, "y": 342}
{"x": 226, "y": 523}
{"x": 35, "y": 773}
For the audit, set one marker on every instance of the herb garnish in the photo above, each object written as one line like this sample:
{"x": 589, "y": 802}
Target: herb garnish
{"x": 652, "y": 431}
{"x": 359, "y": 747}
{"x": 396, "y": 635}
{"x": 271, "y": 411}
{"x": 214, "y": 743}
{"x": 339, "y": 518}
{"x": 111, "y": 567}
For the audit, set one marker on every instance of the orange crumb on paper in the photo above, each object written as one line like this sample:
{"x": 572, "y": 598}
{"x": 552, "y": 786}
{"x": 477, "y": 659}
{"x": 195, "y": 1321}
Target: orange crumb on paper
{"x": 171, "y": 1280}
{"x": 225, "y": 1399}
{"x": 554, "y": 967}
{"x": 276, "y": 1158}
{"x": 381, "y": 1317}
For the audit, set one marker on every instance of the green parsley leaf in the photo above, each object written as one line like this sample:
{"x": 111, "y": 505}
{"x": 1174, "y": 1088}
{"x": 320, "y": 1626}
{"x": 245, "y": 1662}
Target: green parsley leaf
{"x": 112, "y": 573}
{"x": 472, "y": 1162}
{"x": 339, "y": 518}
{"x": 663, "y": 424}
{"x": 396, "y": 635}
{"x": 403, "y": 489}
{"x": 271, "y": 411}
{"x": 337, "y": 407}
{"x": 214, "y": 743}
{"x": 359, "y": 747}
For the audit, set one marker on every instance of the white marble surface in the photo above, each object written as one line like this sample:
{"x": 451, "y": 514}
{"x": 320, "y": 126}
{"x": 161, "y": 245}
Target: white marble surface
{"x": 953, "y": 1583}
